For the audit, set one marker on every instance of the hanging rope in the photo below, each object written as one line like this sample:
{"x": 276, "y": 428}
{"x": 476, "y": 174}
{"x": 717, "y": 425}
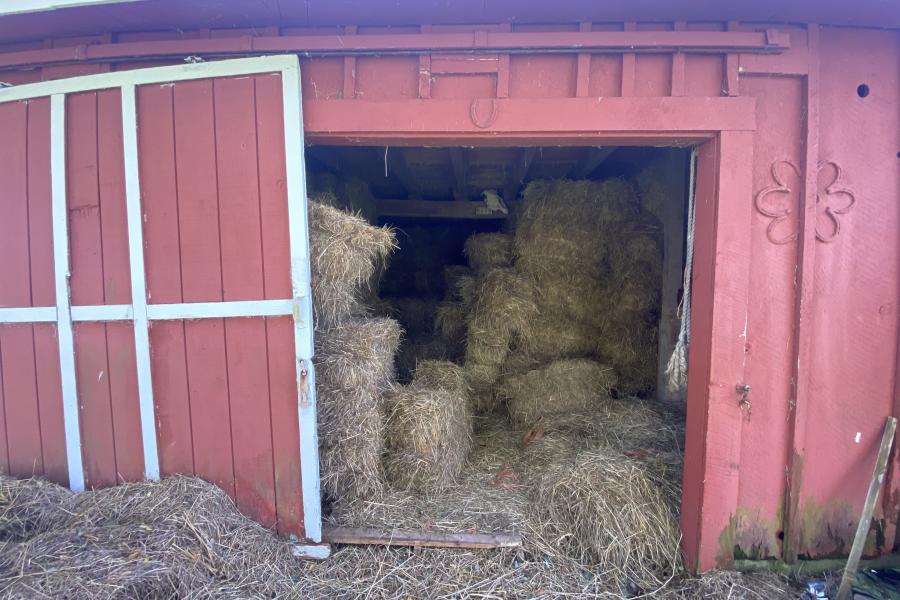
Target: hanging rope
{"x": 676, "y": 371}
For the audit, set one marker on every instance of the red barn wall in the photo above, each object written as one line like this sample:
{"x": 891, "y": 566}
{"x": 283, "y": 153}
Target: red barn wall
{"x": 821, "y": 332}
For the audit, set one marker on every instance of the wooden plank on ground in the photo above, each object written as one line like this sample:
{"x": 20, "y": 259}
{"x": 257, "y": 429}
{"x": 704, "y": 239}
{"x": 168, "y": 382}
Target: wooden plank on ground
{"x": 398, "y": 537}
{"x": 862, "y": 529}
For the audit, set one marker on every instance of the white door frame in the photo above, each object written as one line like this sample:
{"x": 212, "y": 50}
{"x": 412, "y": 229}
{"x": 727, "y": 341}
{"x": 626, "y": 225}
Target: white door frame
{"x": 139, "y": 312}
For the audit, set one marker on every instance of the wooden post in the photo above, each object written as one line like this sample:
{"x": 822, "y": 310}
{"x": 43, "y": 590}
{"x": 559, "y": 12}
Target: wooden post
{"x": 862, "y": 530}
{"x": 366, "y": 536}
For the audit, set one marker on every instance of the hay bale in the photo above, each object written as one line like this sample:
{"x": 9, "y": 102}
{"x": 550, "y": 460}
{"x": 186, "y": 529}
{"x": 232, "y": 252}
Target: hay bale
{"x": 429, "y": 430}
{"x": 354, "y": 368}
{"x": 574, "y": 296}
{"x": 413, "y": 351}
{"x": 502, "y": 310}
{"x": 415, "y": 314}
{"x": 481, "y": 380}
{"x": 561, "y": 224}
{"x": 450, "y": 321}
{"x": 561, "y": 387}
{"x": 452, "y": 276}
{"x": 345, "y": 253}
{"x": 630, "y": 345}
{"x": 613, "y": 512}
{"x": 552, "y": 336}
{"x": 488, "y": 251}
{"x": 465, "y": 288}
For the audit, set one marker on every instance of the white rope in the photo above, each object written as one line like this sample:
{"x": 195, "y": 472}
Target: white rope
{"x": 676, "y": 371}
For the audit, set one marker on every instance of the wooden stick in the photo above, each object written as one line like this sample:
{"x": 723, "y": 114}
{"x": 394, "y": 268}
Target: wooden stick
{"x": 363, "y": 535}
{"x": 862, "y": 530}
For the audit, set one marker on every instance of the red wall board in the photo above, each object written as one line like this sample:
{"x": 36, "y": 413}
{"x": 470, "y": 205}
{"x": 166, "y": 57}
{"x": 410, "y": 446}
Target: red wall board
{"x": 854, "y": 312}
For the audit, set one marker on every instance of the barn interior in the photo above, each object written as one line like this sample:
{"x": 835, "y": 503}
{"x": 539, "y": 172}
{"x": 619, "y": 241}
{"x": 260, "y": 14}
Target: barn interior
{"x": 538, "y": 293}
{"x": 438, "y": 198}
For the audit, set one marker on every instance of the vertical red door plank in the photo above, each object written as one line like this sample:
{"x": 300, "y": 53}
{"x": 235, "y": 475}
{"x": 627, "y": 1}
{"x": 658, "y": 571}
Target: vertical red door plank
{"x": 195, "y": 151}
{"x": 162, "y": 257}
{"x": 125, "y": 405}
{"x": 16, "y": 341}
{"x": 23, "y": 429}
{"x": 91, "y": 358}
{"x": 277, "y": 282}
{"x": 46, "y": 349}
{"x": 242, "y": 275}
{"x": 4, "y": 446}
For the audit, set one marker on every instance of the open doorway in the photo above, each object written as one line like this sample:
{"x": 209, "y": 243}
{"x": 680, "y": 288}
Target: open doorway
{"x": 551, "y": 277}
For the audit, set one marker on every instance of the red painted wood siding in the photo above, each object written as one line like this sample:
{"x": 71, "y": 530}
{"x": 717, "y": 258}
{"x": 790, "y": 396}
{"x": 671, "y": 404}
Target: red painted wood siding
{"x": 215, "y": 227}
{"x": 821, "y": 326}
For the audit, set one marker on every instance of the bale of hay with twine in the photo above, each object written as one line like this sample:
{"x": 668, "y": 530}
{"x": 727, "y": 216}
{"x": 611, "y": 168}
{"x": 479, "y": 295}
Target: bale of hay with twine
{"x": 345, "y": 254}
{"x": 486, "y": 251}
{"x": 612, "y": 512}
{"x": 354, "y": 368}
{"x": 429, "y": 430}
{"x": 561, "y": 387}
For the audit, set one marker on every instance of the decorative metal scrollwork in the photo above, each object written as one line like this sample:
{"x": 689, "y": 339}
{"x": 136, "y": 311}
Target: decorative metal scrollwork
{"x": 778, "y": 201}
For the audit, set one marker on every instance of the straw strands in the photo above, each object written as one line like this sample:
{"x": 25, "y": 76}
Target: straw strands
{"x": 611, "y": 510}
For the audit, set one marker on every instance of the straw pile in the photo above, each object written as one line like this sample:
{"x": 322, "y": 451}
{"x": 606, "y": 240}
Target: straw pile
{"x": 561, "y": 387}
{"x": 183, "y": 537}
{"x": 612, "y": 510}
{"x": 178, "y": 538}
{"x": 429, "y": 430}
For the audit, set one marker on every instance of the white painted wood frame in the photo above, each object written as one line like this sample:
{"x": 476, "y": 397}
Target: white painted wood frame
{"x": 299, "y": 306}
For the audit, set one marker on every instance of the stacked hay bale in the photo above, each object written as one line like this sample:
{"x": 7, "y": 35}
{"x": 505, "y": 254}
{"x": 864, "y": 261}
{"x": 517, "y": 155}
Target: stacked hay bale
{"x": 561, "y": 387}
{"x": 577, "y": 278}
{"x": 503, "y": 309}
{"x": 450, "y": 314}
{"x": 429, "y": 429}
{"x": 354, "y": 352}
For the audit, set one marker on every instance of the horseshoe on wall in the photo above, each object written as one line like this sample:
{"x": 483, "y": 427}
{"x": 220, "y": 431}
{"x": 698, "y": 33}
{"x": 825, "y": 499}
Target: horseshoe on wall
{"x": 492, "y": 116}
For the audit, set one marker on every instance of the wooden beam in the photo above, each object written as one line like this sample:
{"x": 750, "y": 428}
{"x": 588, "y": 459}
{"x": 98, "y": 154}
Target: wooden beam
{"x": 593, "y": 159}
{"x": 460, "y": 173}
{"x": 366, "y": 536}
{"x": 436, "y": 209}
{"x": 630, "y": 41}
{"x": 862, "y": 529}
{"x": 398, "y": 166}
{"x": 517, "y": 174}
